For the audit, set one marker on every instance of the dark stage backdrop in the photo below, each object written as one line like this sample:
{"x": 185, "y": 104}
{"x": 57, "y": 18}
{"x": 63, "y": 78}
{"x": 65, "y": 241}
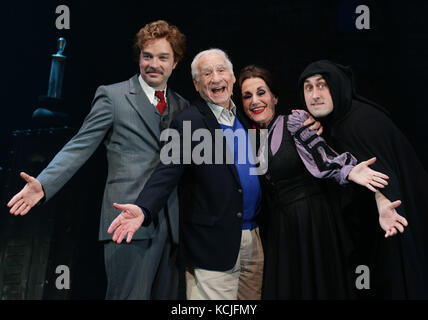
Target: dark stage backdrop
{"x": 389, "y": 60}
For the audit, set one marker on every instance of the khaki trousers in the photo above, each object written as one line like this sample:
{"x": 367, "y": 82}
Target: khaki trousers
{"x": 242, "y": 282}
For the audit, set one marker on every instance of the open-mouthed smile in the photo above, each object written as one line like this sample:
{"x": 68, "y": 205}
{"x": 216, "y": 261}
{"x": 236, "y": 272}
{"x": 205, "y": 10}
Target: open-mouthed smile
{"x": 258, "y": 109}
{"x": 218, "y": 90}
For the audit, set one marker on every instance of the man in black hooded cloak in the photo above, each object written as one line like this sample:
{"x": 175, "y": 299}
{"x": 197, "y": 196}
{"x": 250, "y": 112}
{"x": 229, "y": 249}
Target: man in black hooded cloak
{"x": 398, "y": 264}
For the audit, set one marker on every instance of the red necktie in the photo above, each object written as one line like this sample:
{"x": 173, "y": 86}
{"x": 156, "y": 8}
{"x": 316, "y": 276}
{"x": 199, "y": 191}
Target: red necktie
{"x": 162, "y": 103}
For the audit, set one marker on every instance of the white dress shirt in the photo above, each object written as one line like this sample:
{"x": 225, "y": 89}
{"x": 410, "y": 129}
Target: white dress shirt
{"x": 150, "y": 92}
{"x": 223, "y": 115}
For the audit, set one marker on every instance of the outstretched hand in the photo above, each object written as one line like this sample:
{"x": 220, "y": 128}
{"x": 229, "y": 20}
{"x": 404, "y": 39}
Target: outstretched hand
{"x": 390, "y": 220}
{"x": 130, "y": 219}
{"x": 28, "y": 197}
{"x": 367, "y": 177}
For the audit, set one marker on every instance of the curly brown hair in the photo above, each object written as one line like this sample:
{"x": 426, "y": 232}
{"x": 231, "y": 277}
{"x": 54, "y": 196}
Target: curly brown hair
{"x": 158, "y": 30}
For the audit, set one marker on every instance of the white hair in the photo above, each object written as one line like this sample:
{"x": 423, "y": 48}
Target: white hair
{"x": 193, "y": 66}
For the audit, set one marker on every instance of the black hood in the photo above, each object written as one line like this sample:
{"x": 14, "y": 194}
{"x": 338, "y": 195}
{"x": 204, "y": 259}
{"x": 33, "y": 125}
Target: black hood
{"x": 340, "y": 81}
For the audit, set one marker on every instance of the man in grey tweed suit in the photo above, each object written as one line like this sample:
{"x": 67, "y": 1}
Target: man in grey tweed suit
{"x": 129, "y": 117}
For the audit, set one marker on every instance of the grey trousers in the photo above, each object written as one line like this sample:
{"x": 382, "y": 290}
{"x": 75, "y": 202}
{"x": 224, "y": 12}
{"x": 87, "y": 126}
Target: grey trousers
{"x": 142, "y": 269}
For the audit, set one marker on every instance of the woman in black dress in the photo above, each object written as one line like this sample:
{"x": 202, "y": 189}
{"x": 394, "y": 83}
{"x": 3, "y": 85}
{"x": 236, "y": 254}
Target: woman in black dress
{"x": 304, "y": 257}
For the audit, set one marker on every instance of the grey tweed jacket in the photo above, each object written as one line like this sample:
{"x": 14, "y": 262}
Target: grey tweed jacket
{"x": 130, "y": 127}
